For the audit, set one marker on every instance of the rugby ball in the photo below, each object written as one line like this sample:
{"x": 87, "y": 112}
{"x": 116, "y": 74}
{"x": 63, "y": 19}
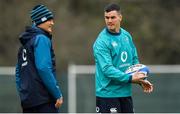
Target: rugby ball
{"x": 138, "y": 68}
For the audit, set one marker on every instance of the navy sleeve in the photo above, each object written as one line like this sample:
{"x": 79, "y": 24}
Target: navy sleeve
{"x": 42, "y": 53}
{"x": 17, "y": 77}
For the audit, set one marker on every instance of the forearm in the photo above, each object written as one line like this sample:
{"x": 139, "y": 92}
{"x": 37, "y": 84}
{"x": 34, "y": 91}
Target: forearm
{"x": 50, "y": 82}
{"x": 116, "y": 74}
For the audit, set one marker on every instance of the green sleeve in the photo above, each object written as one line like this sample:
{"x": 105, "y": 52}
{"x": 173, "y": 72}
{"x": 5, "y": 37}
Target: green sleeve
{"x": 135, "y": 54}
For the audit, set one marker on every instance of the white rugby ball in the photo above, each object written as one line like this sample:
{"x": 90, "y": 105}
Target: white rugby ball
{"x": 137, "y": 68}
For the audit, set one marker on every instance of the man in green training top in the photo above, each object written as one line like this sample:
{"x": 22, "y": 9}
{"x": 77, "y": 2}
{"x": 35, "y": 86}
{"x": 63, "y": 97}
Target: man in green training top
{"x": 114, "y": 51}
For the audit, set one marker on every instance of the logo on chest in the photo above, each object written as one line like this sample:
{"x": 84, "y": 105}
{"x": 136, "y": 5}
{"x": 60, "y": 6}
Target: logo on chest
{"x": 124, "y": 56}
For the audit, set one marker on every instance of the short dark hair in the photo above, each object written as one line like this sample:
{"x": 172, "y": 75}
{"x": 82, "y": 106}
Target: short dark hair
{"x": 112, "y": 7}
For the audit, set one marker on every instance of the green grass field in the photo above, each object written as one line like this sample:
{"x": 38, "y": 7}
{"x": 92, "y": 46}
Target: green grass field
{"x": 9, "y": 100}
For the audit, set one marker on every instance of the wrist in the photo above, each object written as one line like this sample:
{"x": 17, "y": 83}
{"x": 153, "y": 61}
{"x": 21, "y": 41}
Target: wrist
{"x": 130, "y": 79}
{"x": 60, "y": 98}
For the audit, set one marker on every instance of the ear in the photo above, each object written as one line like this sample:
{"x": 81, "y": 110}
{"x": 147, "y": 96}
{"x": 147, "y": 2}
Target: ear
{"x": 120, "y": 17}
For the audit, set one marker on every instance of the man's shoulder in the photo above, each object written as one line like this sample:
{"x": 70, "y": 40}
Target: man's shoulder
{"x": 102, "y": 40}
{"x": 41, "y": 38}
{"x": 40, "y": 35}
{"x": 103, "y": 36}
{"x": 124, "y": 31}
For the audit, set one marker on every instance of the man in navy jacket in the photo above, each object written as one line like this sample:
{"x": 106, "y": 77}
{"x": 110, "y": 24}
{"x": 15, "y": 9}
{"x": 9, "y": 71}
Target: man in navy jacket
{"x": 35, "y": 70}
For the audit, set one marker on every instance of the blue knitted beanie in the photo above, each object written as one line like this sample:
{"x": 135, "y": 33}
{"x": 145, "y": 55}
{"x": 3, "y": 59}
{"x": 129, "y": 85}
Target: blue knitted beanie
{"x": 40, "y": 14}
